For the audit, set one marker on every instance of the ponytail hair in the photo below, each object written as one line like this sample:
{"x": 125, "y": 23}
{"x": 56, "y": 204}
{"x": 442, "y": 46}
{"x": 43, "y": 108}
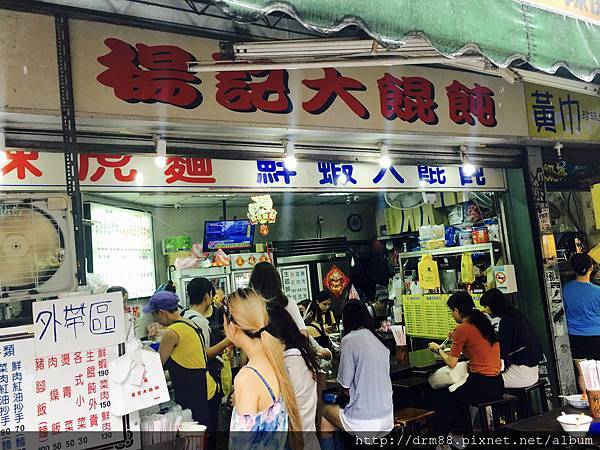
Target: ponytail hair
{"x": 247, "y": 309}
{"x": 266, "y": 281}
{"x": 463, "y": 302}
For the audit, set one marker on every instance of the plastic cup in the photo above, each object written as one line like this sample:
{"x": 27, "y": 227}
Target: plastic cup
{"x": 594, "y": 401}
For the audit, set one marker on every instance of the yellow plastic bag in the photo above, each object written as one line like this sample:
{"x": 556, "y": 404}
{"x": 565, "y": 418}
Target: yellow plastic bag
{"x": 429, "y": 276}
{"x": 226, "y": 375}
{"x": 467, "y": 273}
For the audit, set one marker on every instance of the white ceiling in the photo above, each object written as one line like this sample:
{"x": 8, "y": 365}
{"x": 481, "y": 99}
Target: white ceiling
{"x": 185, "y": 199}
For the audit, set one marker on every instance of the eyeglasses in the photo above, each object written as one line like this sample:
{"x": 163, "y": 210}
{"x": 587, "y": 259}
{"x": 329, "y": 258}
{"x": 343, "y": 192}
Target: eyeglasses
{"x": 228, "y": 314}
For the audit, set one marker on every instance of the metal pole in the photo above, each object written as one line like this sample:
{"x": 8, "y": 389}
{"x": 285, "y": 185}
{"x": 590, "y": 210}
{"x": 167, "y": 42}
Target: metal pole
{"x": 67, "y": 110}
{"x": 224, "y": 209}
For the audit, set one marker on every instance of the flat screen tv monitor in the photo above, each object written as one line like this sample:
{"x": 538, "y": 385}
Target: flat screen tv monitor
{"x": 228, "y": 235}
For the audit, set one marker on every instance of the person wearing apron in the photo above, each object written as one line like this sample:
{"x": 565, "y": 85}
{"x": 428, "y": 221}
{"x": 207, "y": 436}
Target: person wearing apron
{"x": 183, "y": 353}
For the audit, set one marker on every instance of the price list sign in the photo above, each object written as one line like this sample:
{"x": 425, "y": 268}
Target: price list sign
{"x": 71, "y": 392}
{"x": 16, "y": 377}
{"x": 295, "y": 281}
{"x": 58, "y": 401}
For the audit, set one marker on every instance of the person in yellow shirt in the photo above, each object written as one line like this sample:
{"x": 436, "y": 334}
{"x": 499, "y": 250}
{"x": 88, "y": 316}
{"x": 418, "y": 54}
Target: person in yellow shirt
{"x": 183, "y": 353}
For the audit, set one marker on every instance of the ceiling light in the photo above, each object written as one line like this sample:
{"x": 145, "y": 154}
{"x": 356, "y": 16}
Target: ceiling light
{"x": 467, "y": 166}
{"x": 161, "y": 152}
{"x": 384, "y": 159}
{"x": 558, "y": 148}
{"x": 334, "y": 194}
{"x": 342, "y": 179}
{"x": 422, "y": 183}
{"x": 139, "y": 179}
{"x": 290, "y": 162}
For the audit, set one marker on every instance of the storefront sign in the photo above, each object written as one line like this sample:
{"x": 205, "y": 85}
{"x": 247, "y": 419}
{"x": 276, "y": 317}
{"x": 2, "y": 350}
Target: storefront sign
{"x": 129, "y": 73}
{"x": 588, "y": 10}
{"x": 561, "y": 115}
{"x": 31, "y": 170}
{"x": 55, "y": 401}
{"x": 78, "y": 323}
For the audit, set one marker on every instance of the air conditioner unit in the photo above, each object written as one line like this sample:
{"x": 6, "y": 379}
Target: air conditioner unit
{"x": 37, "y": 246}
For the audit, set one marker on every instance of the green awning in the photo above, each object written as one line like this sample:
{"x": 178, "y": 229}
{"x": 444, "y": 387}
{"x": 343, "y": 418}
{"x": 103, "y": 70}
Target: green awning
{"x": 502, "y": 30}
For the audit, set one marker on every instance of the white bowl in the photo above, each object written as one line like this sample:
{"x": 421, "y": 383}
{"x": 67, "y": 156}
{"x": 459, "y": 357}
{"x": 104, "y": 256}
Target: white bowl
{"x": 576, "y": 401}
{"x": 575, "y": 424}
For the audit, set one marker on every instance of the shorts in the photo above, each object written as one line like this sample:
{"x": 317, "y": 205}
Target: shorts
{"x": 372, "y": 428}
{"x": 585, "y": 347}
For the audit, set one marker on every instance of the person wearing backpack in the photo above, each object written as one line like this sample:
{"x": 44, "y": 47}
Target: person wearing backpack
{"x": 183, "y": 353}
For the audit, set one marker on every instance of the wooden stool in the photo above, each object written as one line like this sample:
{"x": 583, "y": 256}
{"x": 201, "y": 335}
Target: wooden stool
{"x": 408, "y": 417}
{"x": 526, "y": 398}
{"x": 506, "y": 405}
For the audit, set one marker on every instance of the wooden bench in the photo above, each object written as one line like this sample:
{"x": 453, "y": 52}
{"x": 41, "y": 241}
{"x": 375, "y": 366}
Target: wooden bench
{"x": 408, "y": 417}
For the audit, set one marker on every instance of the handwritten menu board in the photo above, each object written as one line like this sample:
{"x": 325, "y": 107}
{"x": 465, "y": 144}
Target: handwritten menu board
{"x": 296, "y": 282}
{"x": 78, "y": 323}
{"x": 56, "y": 401}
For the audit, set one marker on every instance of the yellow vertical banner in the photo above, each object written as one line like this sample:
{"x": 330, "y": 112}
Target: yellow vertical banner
{"x": 596, "y": 204}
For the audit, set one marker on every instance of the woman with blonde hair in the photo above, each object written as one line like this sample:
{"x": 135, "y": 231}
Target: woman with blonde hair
{"x": 265, "y": 412}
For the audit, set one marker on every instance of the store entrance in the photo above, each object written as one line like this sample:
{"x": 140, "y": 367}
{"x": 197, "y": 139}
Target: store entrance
{"x": 353, "y": 244}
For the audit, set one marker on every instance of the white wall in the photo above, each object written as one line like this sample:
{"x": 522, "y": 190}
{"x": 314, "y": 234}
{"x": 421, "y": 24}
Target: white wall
{"x": 293, "y": 222}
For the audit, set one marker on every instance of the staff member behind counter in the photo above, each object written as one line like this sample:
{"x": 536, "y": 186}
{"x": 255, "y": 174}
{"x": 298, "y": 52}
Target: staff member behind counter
{"x": 183, "y": 353}
{"x": 320, "y": 319}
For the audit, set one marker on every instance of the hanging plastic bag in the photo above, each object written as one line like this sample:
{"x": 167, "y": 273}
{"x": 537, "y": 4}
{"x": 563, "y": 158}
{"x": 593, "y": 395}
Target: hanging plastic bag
{"x": 429, "y": 276}
{"x": 226, "y": 375}
{"x": 467, "y": 272}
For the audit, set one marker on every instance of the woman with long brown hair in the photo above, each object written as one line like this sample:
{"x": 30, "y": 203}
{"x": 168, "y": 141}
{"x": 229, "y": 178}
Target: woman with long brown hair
{"x": 265, "y": 410}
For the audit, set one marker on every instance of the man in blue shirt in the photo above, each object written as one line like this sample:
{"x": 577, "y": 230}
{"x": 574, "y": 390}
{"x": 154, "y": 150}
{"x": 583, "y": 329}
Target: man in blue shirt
{"x": 582, "y": 308}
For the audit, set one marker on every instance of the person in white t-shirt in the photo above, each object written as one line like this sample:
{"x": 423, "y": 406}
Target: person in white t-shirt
{"x": 301, "y": 364}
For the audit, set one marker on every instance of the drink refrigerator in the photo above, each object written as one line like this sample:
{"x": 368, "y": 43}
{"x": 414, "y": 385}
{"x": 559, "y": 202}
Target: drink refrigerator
{"x": 241, "y": 267}
{"x": 220, "y": 277}
{"x": 305, "y": 264}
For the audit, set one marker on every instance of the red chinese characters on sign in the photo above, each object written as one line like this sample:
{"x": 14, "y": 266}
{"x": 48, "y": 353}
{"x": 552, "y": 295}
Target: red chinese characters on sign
{"x": 408, "y": 98}
{"x": 116, "y": 163}
{"x": 236, "y": 91}
{"x": 467, "y": 104}
{"x": 21, "y": 162}
{"x": 189, "y": 170}
{"x": 150, "y": 74}
{"x": 328, "y": 88}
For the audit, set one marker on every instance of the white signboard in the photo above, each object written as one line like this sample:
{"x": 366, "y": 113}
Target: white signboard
{"x": 55, "y": 401}
{"x": 78, "y": 323}
{"x": 30, "y": 170}
{"x": 295, "y": 281}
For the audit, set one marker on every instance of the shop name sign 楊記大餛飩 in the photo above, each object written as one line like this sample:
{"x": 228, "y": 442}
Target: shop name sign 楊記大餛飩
{"x": 43, "y": 171}
{"x": 123, "y": 75}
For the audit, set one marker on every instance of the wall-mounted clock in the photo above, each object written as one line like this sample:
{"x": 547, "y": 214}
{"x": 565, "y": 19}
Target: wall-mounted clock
{"x": 354, "y": 222}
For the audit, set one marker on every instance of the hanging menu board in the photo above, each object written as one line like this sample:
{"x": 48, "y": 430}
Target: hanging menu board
{"x": 428, "y": 316}
{"x": 57, "y": 401}
{"x": 295, "y": 281}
